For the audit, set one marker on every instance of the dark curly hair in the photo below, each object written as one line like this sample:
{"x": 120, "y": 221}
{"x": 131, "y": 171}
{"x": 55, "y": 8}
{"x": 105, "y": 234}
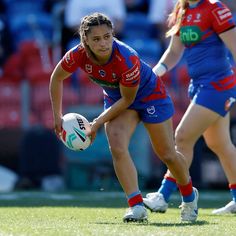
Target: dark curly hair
{"x": 89, "y": 21}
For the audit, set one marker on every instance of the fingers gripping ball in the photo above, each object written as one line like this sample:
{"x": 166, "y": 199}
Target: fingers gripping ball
{"x": 74, "y": 131}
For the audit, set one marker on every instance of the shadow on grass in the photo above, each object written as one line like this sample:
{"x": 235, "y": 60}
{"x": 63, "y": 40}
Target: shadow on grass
{"x": 229, "y": 215}
{"x": 197, "y": 223}
{"x": 180, "y": 224}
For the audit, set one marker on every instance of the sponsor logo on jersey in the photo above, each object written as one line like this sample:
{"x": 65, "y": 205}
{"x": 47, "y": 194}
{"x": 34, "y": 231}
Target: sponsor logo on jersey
{"x": 132, "y": 74}
{"x": 113, "y": 84}
{"x": 89, "y": 68}
{"x": 222, "y": 15}
{"x": 190, "y": 34}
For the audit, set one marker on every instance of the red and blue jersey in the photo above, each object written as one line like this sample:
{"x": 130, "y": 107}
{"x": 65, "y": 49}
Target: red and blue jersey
{"x": 205, "y": 53}
{"x": 124, "y": 67}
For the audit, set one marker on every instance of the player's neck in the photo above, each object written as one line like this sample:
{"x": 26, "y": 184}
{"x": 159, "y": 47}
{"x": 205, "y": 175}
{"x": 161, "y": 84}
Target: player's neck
{"x": 193, "y": 2}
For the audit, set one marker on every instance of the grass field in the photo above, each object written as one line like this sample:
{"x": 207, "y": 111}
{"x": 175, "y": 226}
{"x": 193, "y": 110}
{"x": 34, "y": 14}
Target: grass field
{"x": 100, "y": 213}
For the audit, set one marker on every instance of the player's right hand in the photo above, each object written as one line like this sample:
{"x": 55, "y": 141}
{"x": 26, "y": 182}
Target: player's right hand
{"x": 58, "y": 126}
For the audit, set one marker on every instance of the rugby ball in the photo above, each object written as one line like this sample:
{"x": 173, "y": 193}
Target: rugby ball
{"x": 74, "y": 131}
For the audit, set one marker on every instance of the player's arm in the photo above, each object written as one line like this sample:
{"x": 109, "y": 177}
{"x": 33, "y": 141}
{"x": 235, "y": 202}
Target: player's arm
{"x": 56, "y": 91}
{"x": 171, "y": 56}
{"x": 128, "y": 85}
{"x": 229, "y": 38}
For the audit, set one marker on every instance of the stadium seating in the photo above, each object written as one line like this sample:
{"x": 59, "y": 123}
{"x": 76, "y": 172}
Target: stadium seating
{"x": 137, "y": 26}
{"x": 10, "y": 117}
{"x": 9, "y": 94}
{"x": 27, "y": 20}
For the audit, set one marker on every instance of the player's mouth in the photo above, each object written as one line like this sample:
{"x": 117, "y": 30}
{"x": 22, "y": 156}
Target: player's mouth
{"x": 104, "y": 50}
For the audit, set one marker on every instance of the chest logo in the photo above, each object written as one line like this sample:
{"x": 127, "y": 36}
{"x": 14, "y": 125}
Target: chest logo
{"x": 190, "y": 35}
{"x": 198, "y": 18}
{"x": 88, "y": 68}
{"x": 189, "y": 18}
{"x": 102, "y": 73}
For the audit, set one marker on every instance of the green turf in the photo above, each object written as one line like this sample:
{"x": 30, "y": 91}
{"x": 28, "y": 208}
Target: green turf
{"x": 100, "y": 213}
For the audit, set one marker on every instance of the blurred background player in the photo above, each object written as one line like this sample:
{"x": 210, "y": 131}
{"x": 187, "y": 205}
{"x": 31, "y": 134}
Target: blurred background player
{"x": 201, "y": 29}
{"x": 132, "y": 93}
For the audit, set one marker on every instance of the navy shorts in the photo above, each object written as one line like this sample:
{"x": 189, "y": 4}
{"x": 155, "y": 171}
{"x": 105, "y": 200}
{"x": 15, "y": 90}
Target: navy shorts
{"x": 207, "y": 96}
{"x": 156, "y": 111}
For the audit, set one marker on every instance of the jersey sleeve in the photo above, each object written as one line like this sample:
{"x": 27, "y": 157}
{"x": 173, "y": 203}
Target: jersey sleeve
{"x": 222, "y": 18}
{"x": 131, "y": 77}
{"x": 71, "y": 60}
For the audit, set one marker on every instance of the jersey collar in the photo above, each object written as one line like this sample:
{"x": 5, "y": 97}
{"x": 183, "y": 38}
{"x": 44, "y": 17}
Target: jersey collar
{"x": 195, "y": 4}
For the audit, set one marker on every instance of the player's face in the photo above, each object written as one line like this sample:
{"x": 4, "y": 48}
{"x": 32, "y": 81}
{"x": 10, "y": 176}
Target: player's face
{"x": 100, "y": 40}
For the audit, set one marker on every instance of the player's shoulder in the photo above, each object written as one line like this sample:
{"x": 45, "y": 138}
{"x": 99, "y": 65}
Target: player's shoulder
{"x": 77, "y": 49}
{"x": 215, "y": 3}
{"x": 123, "y": 48}
{"x": 219, "y": 9}
{"x": 125, "y": 54}
{"x": 73, "y": 57}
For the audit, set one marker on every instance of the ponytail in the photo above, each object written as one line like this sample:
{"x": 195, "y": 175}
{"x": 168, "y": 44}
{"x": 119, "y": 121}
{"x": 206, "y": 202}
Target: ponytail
{"x": 175, "y": 18}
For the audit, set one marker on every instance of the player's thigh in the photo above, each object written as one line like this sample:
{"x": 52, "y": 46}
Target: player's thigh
{"x": 218, "y": 134}
{"x": 194, "y": 123}
{"x": 120, "y": 129}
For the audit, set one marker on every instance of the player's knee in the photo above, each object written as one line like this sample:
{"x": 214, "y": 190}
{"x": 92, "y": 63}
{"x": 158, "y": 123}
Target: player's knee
{"x": 118, "y": 147}
{"x": 117, "y": 142}
{"x": 117, "y": 150}
{"x": 167, "y": 155}
{"x": 181, "y": 139}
